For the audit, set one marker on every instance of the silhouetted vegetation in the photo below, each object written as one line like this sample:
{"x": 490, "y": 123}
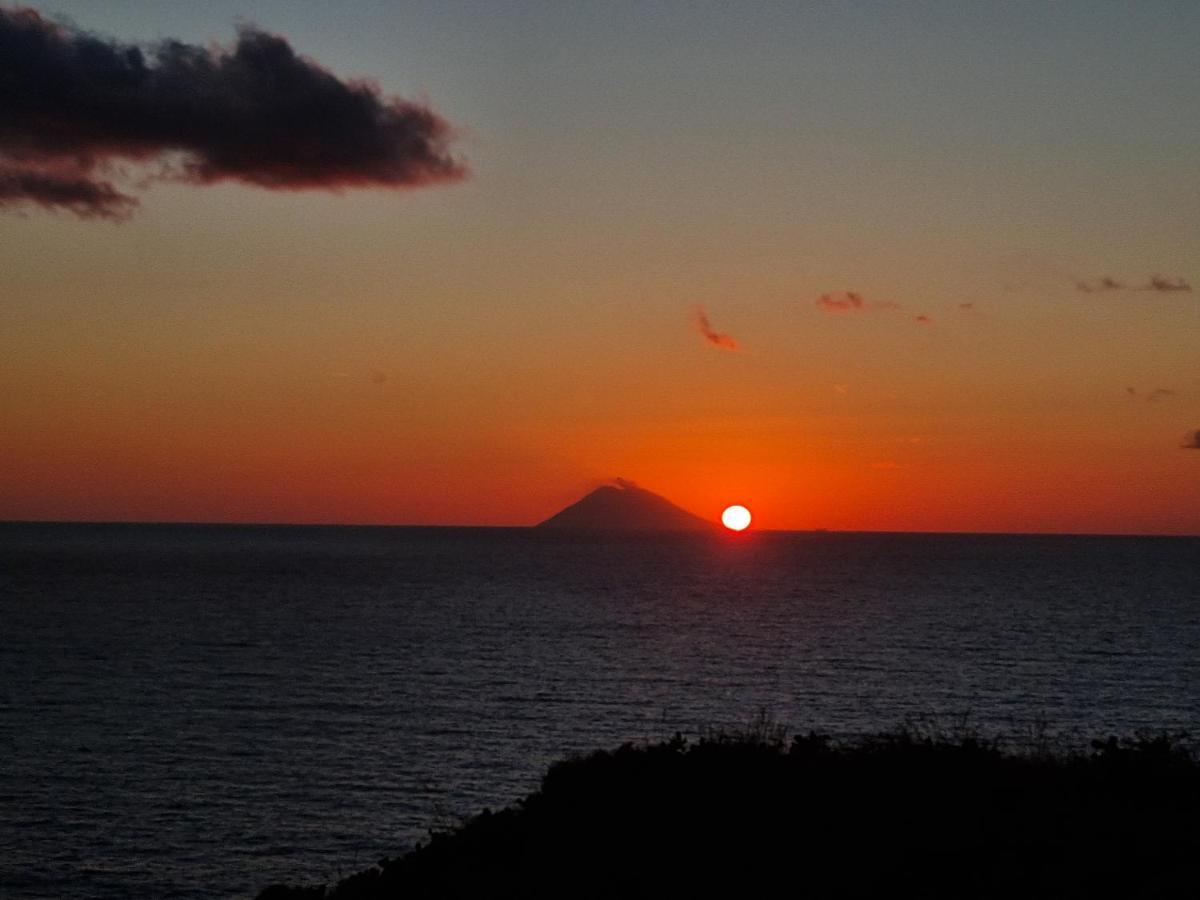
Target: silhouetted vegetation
{"x": 750, "y": 813}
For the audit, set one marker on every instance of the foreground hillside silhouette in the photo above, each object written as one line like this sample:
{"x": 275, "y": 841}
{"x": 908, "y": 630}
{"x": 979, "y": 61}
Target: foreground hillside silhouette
{"x": 751, "y": 815}
{"x": 623, "y": 506}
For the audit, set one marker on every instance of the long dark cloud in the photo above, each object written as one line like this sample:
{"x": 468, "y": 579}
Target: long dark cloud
{"x": 1151, "y": 396}
{"x": 1100, "y": 285}
{"x": 76, "y": 110}
{"x": 841, "y": 302}
{"x": 1158, "y": 283}
{"x": 711, "y": 335}
{"x": 86, "y": 197}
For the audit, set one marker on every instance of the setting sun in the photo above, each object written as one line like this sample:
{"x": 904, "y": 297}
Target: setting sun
{"x": 736, "y": 518}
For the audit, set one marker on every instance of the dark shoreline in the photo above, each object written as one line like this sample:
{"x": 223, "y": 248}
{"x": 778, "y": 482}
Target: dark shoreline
{"x": 901, "y": 813}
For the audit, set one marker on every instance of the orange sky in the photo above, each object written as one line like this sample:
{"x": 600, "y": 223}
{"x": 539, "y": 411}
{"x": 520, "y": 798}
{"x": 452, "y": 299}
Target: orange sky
{"x": 486, "y": 352}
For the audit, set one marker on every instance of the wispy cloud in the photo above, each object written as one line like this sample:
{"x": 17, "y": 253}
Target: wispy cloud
{"x": 76, "y": 109}
{"x": 82, "y": 194}
{"x": 1151, "y": 396}
{"x": 1157, "y": 283}
{"x": 1100, "y": 285}
{"x": 840, "y": 302}
{"x": 711, "y": 335}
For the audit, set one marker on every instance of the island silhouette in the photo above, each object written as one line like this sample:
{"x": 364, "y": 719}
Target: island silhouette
{"x": 622, "y": 506}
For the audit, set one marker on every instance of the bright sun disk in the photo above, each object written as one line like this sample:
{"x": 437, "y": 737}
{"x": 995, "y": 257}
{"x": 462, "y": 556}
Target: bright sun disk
{"x": 735, "y": 518}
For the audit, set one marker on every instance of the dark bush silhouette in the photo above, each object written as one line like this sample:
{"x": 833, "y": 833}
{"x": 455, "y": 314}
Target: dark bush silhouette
{"x": 895, "y": 815}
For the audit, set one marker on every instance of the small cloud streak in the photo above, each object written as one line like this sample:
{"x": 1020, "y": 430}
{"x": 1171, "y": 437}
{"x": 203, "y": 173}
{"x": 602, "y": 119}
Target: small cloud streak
{"x": 1156, "y": 283}
{"x": 1192, "y": 441}
{"x": 711, "y": 335}
{"x": 1152, "y": 396}
{"x": 76, "y": 109}
{"x": 1100, "y": 285}
{"x": 86, "y": 197}
{"x": 840, "y": 302}
{"x": 1159, "y": 283}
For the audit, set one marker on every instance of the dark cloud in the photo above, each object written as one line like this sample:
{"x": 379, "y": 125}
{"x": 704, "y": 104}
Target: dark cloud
{"x": 1151, "y": 396}
{"x": 841, "y": 302}
{"x": 1099, "y": 285}
{"x": 849, "y": 302}
{"x": 966, "y": 306}
{"x": 1159, "y": 283}
{"x": 75, "y": 107}
{"x": 84, "y": 196}
{"x": 1156, "y": 283}
{"x": 714, "y": 337}
{"x": 1192, "y": 441}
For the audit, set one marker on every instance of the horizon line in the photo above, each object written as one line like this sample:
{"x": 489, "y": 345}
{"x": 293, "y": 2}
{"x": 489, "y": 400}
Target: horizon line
{"x": 634, "y": 532}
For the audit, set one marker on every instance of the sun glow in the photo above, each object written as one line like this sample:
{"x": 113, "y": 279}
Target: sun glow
{"x": 736, "y": 518}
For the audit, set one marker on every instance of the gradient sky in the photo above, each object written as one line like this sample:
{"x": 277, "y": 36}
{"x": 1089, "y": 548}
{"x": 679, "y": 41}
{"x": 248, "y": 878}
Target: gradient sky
{"x": 486, "y": 351}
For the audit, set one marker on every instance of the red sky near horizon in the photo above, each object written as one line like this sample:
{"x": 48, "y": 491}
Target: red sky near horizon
{"x": 948, "y": 288}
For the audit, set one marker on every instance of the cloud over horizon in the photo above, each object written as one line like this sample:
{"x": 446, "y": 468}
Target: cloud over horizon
{"x": 711, "y": 335}
{"x": 1151, "y": 396}
{"x": 76, "y": 109}
{"x": 1157, "y": 283}
{"x": 839, "y": 303}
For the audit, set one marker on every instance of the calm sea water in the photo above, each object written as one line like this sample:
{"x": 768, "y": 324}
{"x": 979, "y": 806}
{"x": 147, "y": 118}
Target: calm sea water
{"x": 200, "y": 711}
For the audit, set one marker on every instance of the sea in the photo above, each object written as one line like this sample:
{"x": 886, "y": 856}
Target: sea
{"x": 200, "y": 711}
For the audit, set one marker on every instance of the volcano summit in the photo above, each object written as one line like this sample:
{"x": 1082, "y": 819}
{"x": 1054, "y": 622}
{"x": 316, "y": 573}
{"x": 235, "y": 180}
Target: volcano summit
{"x": 623, "y": 506}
